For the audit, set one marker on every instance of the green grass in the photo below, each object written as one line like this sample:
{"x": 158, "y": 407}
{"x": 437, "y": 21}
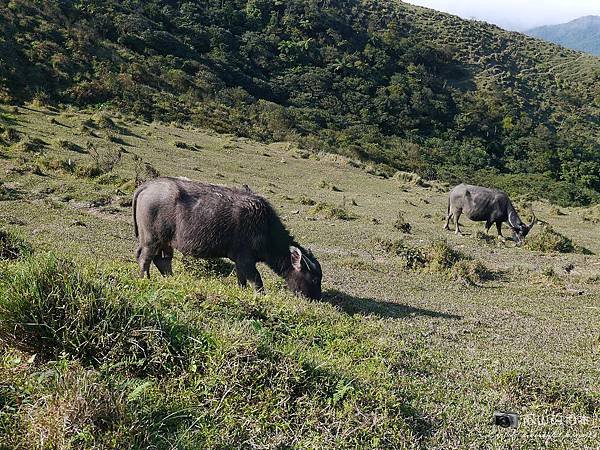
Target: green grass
{"x": 91, "y": 356}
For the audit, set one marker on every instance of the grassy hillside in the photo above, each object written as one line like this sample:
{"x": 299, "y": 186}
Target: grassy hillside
{"x": 580, "y": 34}
{"x": 402, "y": 86}
{"x": 420, "y": 335}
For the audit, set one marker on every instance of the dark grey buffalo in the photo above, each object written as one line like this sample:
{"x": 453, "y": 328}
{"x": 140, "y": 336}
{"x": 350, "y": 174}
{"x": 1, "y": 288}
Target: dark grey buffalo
{"x": 487, "y": 205}
{"x": 211, "y": 221}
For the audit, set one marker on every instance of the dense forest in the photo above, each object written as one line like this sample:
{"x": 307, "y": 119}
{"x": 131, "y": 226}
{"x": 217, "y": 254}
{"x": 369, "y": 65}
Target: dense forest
{"x": 379, "y": 80}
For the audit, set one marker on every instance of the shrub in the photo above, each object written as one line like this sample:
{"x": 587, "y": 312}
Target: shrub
{"x": 88, "y": 171}
{"x": 183, "y": 145}
{"x": 441, "y": 256}
{"x": 116, "y": 139}
{"x": 591, "y": 214}
{"x": 409, "y": 178}
{"x": 104, "y": 160}
{"x": 58, "y": 164}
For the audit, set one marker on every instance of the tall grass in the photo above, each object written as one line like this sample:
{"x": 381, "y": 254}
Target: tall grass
{"x": 54, "y": 308}
{"x": 97, "y": 358}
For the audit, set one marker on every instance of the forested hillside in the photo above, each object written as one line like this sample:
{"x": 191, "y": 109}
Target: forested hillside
{"x": 405, "y": 87}
{"x": 579, "y": 34}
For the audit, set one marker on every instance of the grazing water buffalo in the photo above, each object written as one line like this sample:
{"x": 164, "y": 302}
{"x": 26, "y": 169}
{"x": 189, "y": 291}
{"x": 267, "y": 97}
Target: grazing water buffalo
{"x": 487, "y": 205}
{"x": 211, "y": 221}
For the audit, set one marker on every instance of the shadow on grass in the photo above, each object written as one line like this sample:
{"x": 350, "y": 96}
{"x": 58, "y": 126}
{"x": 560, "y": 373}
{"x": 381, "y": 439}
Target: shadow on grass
{"x": 390, "y": 310}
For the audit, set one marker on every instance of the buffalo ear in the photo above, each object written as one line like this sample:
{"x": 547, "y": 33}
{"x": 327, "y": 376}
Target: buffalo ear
{"x": 296, "y": 256}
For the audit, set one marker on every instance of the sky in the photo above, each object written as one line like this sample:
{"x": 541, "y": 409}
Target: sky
{"x": 516, "y": 15}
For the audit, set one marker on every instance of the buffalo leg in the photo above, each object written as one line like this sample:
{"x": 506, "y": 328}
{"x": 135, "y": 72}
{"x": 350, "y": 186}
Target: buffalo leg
{"x": 456, "y": 219}
{"x": 499, "y": 228}
{"x": 488, "y": 225}
{"x": 246, "y": 271}
{"x": 144, "y": 258}
{"x": 448, "y": 217}
{"x": 163, "y": 261}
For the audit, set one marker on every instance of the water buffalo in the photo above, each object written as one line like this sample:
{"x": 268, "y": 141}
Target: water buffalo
{"x": 211, "y": 221}
{"x": 487, "y": 205}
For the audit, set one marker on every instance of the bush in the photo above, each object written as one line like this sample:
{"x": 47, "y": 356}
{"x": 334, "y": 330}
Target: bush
{"x": 183, "y": 145}
{"x": 58, "y": 164}
{"x": 409, "y": 178}
{"x": 88, "y": 171}
{"x": 441, "y": 256}
{"x": 102, "y": 120}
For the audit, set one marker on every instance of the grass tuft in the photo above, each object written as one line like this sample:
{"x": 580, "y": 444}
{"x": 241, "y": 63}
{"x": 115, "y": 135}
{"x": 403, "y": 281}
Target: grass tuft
{"x": 10, "y": 136}
{"x": 549, "y": 240}
{"x": 52, "y": 307}
{"x": 63, "y": 144}
{"x": 439, "y": 257}
{"x": 329, "y": 211}
{"x": 401, "y": 224}
{"x": 199, "y": 267}
{"x": 13, "y": 246}
{"x": 305, "y": 200}
{"x": 29, "y": 146}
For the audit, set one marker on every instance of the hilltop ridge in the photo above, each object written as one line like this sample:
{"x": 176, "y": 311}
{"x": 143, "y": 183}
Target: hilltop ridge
{"x": 579, "y": 34}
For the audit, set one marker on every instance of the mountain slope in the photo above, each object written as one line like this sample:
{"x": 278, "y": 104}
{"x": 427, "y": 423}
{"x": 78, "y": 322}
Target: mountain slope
{"x": 579, "y": 34}
{"x": 401, "y": 86}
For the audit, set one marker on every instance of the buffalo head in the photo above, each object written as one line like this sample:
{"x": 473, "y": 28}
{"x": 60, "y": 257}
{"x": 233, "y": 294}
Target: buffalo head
{"x": 305, "y": 275}
{"x": 520, "y": 230}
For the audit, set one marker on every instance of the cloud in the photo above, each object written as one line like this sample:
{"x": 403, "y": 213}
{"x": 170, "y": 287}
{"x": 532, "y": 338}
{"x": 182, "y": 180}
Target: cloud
{"x": 516, "y": 14}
